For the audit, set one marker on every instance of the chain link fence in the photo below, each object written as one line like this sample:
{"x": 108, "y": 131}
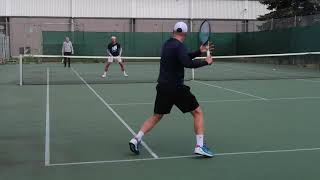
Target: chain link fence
{"x": 283, "y": 23}
{"x": 4, "y": 45}
{"x": 28, "y": 35}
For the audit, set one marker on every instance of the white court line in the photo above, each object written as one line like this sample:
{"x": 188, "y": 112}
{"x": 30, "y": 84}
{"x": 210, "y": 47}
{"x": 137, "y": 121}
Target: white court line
{"x": 270, "y": 99}
{"x": 221, "y": 101}
{"x": 250, "y": 70}
{"x": 214, "y": 101}
{"x": 130, "y": 104}
{"x": 308, "y": 80}
{"x": 154, "y": 155}
{"x": 188, "y": 156}
{"x": 292, "y": 98}
{"x": 47, "y": 138}
{"x": 279, "y": 72}
{"x": 227, "y": 89}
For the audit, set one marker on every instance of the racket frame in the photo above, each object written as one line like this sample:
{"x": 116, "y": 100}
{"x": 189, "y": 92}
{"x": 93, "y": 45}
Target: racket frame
{"x": 208, "y": 40}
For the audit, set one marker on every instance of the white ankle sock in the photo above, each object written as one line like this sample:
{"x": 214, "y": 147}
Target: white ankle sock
{"x": 139, "y": 135}
{"x": 199, "y": 138}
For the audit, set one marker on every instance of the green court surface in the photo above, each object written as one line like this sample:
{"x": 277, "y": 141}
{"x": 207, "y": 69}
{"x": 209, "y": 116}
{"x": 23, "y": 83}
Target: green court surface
{"x": 259, "y": 129}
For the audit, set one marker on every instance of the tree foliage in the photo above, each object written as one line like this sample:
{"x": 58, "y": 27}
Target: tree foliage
{"x": 290, "y": 8}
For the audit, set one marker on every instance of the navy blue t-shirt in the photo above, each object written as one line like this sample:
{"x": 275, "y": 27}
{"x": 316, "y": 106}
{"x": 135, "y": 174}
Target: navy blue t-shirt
{"x": 114, "y": 49}
{"x": 174, "y": 58}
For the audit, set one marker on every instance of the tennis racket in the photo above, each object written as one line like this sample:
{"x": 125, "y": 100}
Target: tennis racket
{"x": 204, "y": 35}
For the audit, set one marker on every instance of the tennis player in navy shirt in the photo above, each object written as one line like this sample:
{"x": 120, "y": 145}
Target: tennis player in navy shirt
{"x": 172, "y": 91}
{"x": 114, "y": 51}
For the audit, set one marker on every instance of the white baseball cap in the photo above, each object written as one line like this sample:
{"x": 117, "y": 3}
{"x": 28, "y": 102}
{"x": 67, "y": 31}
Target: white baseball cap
{"x": 180, "y": 27}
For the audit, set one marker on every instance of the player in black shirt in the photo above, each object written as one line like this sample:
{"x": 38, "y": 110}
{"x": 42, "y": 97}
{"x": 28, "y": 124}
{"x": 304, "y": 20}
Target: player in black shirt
{"x": 172, "y": 91}
{"x": 114, "y": 50}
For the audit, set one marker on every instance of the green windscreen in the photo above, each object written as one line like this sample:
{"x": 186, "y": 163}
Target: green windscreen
{"x": 291, "y": 40}
{"x": 133, "y": 43}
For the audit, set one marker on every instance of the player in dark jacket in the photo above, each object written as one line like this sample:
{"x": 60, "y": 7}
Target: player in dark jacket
{"x": 172, "y": 91}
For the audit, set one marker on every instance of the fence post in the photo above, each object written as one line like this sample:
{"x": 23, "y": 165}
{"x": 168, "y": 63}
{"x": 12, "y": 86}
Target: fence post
{"x": 20, "y": 70}
{"x": 192, "y": 73}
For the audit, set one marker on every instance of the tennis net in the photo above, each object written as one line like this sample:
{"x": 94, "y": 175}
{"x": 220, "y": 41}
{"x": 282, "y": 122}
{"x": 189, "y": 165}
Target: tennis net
{"x": 35, "y": 70}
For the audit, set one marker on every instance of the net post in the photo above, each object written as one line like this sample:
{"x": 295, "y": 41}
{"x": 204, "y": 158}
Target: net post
{"x": 192, "y": 73}
{"x": 20, "y": 70}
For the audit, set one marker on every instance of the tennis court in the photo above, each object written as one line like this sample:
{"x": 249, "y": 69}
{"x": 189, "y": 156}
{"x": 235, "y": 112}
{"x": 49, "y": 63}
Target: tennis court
{"x": 259, "y": 129}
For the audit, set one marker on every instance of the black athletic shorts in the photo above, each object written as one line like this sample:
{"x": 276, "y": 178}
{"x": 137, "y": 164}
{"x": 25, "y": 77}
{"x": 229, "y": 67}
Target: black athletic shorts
{"x": 179, "y": 96}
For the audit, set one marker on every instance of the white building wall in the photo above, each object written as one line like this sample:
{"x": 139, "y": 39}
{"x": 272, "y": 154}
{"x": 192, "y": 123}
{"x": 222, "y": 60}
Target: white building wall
{"x": 3, "y": 5}
{"x": 162, "y": 9}
{"x": 181, "y": 9}
{"x": 103, "y": 8}
{"x": 255, "y": 9}
{"x": 219, "y": 9}
{"x": 44, "y": 8}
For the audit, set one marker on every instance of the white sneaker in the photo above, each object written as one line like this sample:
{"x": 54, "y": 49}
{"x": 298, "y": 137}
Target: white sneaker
{"x": 125, "y": 74}
{"x": 104, "y": 75}
{"x": 134, "y": 145}
{"x": 204, "y": 151}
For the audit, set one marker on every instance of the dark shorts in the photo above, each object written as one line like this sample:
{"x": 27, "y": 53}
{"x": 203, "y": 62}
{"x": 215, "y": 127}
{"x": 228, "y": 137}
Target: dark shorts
{"x": 181, "y": 97}
{"x": 67, "y": 54}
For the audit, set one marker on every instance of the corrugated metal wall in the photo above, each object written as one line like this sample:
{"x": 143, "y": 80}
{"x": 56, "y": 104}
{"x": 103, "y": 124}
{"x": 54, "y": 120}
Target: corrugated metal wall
{"x": 184, "y": 9}
{"x": 3, "y": 5}
{"x": 255, "y": 9}
{"x": 56, "y": 8}
{"x": 102, "y": 8}
{"x": 219, "y": 9}
{"x": 162, "y": 8}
